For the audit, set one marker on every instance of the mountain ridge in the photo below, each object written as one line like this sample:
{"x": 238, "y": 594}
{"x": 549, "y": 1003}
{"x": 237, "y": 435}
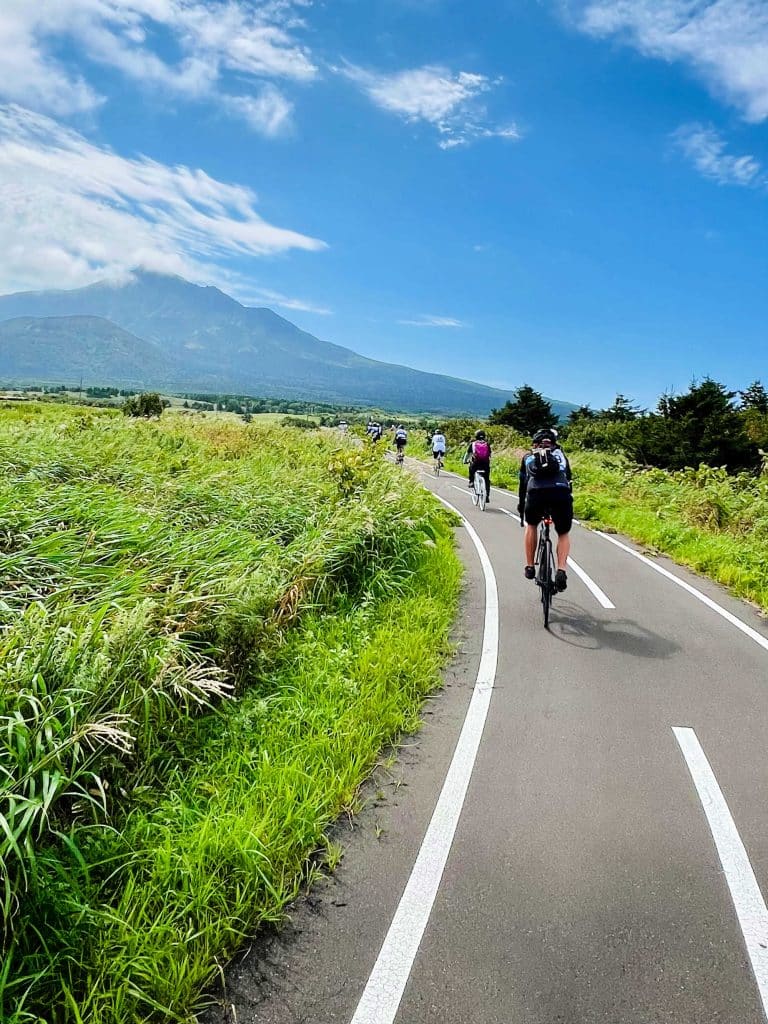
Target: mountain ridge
{"x": 205, "y": 339}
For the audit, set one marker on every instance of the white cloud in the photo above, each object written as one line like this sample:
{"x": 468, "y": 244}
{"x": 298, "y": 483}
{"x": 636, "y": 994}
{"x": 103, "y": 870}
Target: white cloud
{"x": 267, "y": 112}
{"x": 706, "y": 151}
{"x": 73, "y": 212}
{"x": 437, "y": 96}
{"x": 725, "y": 41}
{"x": 251, "y": 38}
{"x": 266, "y": 297}
{"x": 432, "y": 321}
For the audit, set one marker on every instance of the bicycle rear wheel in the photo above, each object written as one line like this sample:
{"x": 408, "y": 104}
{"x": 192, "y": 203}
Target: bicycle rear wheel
{"x": 481, "y": 498}
{"x": 545, "y": 578}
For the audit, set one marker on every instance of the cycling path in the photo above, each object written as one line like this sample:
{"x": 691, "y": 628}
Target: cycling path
{"x": 610, "y": 847}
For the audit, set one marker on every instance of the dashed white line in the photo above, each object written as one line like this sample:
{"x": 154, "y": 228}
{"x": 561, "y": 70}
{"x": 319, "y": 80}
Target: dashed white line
{"x": 728, "y": 616}
{"x": 600, "y": 596}
{"x": 597, "y": 592}
{"x": 386, "y": 984}
{"x": 747, "y": 899}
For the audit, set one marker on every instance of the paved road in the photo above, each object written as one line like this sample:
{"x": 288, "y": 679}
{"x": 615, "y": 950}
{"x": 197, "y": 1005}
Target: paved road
{"x": 610, "y": 845}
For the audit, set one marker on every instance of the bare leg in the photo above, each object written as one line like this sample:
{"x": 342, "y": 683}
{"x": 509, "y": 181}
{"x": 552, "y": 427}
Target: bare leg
{"x": 530, "y": 544}
{"x": 563, "y": 550}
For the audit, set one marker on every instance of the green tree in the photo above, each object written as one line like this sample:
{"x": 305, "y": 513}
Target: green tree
{"x": 755, "y": 397}
{"x": 701, "y": 425}
{"x": 622, "y": 411}
{"x": 528, "y": 412}
{"x": 147, "y": 404}
{"x": 584, "y": 412}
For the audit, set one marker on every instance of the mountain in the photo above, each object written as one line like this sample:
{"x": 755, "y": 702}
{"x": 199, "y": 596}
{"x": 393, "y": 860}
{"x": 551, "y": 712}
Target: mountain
{"x": 68, "y": 347}
{"x": 198, "y": 338}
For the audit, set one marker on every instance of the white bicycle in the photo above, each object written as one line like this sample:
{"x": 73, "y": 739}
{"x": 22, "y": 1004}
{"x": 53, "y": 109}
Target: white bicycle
{"x": 479, "y": 492}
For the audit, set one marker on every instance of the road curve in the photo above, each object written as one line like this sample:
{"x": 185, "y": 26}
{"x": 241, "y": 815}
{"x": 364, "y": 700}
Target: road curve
{"x": 610, "y": 847}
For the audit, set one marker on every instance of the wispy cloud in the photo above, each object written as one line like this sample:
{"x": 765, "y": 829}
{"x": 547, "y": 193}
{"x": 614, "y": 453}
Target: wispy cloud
{"x": 725, "y": 41}
{"x": 448, "y": 101}
{"x": 266, "y": 297}
{"x": 432, "y": 321}
{"x": 267, "y": 112}
{"x": 255, "y": 39}
{"x": 73, "y": 211}
{"x": 707, "y": 152}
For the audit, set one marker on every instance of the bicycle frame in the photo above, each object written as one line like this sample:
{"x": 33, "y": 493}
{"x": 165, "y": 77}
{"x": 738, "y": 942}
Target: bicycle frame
{"x": 545, "y": 561}
{"x": 480, "y": 490}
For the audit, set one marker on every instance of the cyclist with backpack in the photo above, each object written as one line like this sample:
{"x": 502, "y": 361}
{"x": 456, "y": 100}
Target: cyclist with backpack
{"x": 401, "y": 440}
{"x": 478, "y": 455}
{"x": 545, "y": 487}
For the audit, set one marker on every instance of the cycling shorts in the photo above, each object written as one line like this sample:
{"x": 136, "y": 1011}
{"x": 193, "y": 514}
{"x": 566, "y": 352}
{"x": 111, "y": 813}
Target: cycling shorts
{"x": 437, "y": 452}
{"x": 401, "y": 442}
{"x": 558, "y": 501}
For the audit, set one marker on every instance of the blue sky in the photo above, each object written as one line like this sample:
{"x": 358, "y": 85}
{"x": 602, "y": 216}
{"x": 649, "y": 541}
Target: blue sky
{"x": 568, "y": 194}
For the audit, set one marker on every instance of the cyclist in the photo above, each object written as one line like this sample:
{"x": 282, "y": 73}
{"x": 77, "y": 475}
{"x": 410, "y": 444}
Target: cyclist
{"x": 478, "y": 455}
{"x": 545, "y": 487}
{"x": 439, "y": 447}
{"x": 401, "y": 440}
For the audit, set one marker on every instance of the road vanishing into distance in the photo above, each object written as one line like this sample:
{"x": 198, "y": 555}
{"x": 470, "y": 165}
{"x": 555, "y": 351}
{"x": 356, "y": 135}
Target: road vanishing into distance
{"x": 578, "y": 835}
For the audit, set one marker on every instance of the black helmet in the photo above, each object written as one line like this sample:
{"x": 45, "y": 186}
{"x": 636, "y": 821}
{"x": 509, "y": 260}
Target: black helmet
{"x": 545, "y": 435}
{"x": 479, "y": 435}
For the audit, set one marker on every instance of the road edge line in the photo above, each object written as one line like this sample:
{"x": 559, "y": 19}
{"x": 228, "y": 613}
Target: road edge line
{"x": 386, "y": 983}
{"x": 723, "y": 612}
{"x": 745, "y": 893}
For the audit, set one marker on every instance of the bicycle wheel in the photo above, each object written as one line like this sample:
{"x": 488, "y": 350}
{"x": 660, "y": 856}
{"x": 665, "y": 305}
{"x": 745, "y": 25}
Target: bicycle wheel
{"x": 547, "y": 582}
{"x": 436, "y": 467}
{"x": 481, "y": 498}
{"x": 474, "y": 493}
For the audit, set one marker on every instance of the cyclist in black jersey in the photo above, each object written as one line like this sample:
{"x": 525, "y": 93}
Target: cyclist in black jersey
{"x": 545, "y": 488}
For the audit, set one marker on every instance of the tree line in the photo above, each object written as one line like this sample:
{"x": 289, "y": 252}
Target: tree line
{"x": 706, "y": 424}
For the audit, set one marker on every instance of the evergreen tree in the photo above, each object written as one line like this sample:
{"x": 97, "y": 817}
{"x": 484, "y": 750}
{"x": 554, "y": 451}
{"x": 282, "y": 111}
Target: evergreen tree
{"x": 584, "y": 412}
{"x": 755, "y": 397}
{"x": 622, "y": 411}
{"x": 529, "y": 411}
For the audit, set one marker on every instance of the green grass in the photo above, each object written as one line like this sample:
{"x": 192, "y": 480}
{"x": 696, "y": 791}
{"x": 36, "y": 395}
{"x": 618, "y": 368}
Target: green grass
{"x": 713, "y": 522}
{"x": 209, "y": 633}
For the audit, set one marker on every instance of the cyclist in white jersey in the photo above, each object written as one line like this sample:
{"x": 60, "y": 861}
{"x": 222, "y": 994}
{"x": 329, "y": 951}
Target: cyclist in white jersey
{"x": 439, "y": 446}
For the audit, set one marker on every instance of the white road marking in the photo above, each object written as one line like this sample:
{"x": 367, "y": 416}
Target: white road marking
{"x": 747, "y": 899}
{"x": 386, "y": 984}
{"x": 728, "y": 616}
{"x": 600, "y": 596}
{"x": 597, "y": 592}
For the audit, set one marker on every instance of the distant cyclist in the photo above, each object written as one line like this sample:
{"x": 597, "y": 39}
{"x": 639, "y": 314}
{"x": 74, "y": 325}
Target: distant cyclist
{"x": 478, "y": 455}
{"x": 545, "y": 487}
{"x": 439, "y": 447}
{"x": 401, "y": 439}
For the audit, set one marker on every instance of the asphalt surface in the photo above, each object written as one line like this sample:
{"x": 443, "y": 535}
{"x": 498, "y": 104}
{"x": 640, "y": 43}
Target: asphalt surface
{"x": 583, "y": 884}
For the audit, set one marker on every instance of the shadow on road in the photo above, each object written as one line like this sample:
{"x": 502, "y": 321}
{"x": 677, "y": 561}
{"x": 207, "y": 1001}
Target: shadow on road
{"x": 572, "y": 625}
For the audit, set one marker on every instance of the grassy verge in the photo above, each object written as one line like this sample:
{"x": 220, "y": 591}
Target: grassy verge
{"x": 714, "y": 523}
{"x": 209, "y": 632}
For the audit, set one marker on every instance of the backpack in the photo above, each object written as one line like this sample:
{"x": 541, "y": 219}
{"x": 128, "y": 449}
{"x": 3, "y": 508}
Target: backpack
{"x": 481, "y": 449}
{"x": 543, "y": 464}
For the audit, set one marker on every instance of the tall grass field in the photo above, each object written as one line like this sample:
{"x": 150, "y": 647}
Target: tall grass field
{"x": 209, "y": 632}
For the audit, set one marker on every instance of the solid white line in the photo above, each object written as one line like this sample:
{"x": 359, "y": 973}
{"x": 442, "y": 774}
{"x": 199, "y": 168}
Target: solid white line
{"x": 728, "y": 616}
{"x": 600, "y": 596}
{"x": 385, "y": 987}
{"x": 747, "y": 899}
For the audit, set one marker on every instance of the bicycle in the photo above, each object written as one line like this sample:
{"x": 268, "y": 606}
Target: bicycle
{"x": 400, "y": 457}
{"x": 438, "y": 465}
{"x": 545, "y": 573}
{"x": 479, "y": 492}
